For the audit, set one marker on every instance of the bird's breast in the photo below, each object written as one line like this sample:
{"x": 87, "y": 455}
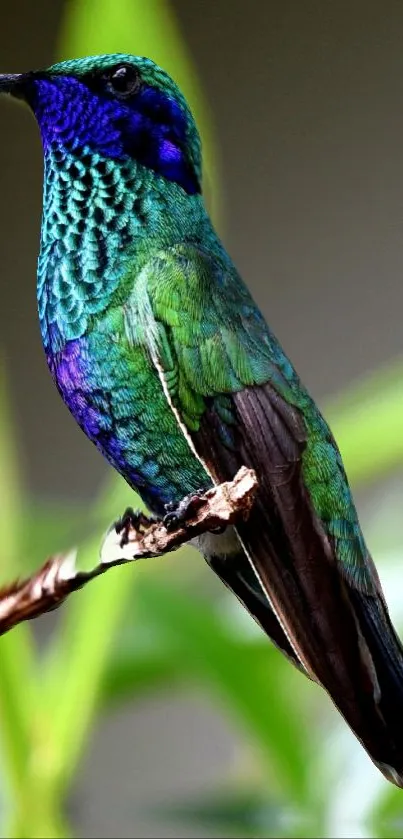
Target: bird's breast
{"x": 115, "y": 394}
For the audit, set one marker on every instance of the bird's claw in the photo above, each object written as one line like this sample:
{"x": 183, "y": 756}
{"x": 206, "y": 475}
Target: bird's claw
{"x": 132, "y": 520}
{"x": 178, "y": 514}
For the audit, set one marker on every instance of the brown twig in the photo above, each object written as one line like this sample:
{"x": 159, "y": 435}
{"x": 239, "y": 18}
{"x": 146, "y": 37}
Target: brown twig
{"x": 133, "y": 537}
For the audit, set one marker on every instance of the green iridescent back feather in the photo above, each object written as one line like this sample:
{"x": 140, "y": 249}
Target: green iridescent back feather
{"x": 211, "y": 339}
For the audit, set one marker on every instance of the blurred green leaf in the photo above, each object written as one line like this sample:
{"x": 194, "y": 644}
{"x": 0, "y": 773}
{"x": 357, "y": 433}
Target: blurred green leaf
{"x": 234, "y": 814}
{"x": 78, "y": 658}
{"x": 17, "y": 654}
{"x": 144, "y": 658}
{"x": 11, "y": 502}
{"x": 17, "y": 705}
{"x": 367, "y": 422}
{"x": 254, "y": 693}
{"x": 387, "y": 815}
{"x": 50, "y": 528}
{"x": 129, "y": 676}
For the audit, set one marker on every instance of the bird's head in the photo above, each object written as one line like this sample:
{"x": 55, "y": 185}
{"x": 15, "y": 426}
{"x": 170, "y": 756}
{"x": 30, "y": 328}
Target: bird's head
{"x": 118, "y": 106}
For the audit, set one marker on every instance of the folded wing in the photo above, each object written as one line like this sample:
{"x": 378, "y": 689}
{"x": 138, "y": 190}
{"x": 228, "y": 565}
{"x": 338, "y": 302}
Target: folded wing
{"x": 239, "y": 401}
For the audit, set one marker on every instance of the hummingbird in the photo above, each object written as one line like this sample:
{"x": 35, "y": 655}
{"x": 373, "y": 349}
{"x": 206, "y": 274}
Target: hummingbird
{"x": 165, "y": 361}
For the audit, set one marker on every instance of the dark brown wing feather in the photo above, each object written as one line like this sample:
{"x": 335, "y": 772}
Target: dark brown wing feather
{"x": 344, "y": 638}
{"x": 238, "y": 575}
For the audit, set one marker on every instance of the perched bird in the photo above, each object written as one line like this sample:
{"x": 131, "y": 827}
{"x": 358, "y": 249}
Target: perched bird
{"x": 165, "y": 361}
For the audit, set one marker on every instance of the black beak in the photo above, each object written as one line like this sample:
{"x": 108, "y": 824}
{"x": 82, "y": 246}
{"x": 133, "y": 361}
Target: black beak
{"x": 15, "y": 83}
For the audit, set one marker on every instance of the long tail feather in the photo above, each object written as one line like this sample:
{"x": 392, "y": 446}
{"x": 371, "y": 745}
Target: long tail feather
{"x": 387, "y": 657}
{"x": 339, "y": 631}
{"x": 237, "y": 573}
{"x": 346, "y": 641}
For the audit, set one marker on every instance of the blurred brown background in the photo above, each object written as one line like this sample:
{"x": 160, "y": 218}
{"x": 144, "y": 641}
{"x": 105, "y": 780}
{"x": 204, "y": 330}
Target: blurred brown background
{"x": 307, "y": 99}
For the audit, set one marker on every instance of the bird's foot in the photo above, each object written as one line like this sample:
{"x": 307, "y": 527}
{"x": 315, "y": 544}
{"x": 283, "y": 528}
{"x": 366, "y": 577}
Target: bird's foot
{"x": 178, "y": 514}
{"x": 132, "y": 520}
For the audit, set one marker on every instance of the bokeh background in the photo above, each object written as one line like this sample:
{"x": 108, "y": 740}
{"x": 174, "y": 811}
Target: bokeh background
{"x": 152, "y": 705}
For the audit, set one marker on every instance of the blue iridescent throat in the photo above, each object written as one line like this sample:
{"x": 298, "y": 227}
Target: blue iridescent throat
{"x": 151, "y": 128}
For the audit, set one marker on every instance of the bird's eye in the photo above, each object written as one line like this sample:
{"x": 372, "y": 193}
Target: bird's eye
{"x": 123, "y": 81}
